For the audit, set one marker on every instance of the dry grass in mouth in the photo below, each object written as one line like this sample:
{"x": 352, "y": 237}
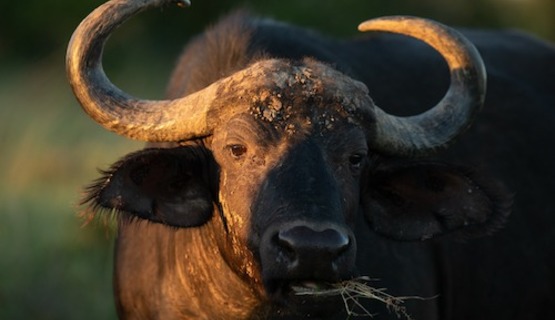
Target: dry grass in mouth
{"x": 355, "y": 289}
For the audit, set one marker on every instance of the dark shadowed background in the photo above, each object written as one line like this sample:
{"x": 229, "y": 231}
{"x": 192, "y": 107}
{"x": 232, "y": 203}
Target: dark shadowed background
{"x": 50, "y": 266}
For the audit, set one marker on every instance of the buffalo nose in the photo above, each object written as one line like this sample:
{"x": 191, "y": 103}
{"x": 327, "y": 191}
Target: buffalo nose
{"x": 305, "y": 241}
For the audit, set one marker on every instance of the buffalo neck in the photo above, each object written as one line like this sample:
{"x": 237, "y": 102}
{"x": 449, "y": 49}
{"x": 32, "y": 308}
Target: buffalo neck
{"x": 163, "y": 272}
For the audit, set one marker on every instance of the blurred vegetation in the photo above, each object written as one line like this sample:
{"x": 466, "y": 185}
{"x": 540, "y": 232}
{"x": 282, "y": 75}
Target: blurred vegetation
{"x": 33, "y": 28}
{"x": 51, "y": 266}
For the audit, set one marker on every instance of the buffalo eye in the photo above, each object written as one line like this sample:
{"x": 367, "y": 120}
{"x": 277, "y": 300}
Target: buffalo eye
{"x": 356, "y": 160}
{"x": 237, "y": 150}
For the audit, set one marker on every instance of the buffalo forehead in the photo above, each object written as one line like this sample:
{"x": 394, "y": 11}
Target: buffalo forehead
{"x": 281, "y": 93}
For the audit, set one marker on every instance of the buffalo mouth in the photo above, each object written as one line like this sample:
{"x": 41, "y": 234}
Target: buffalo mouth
{"x": 308, "y": 287}
{"x": 323, "y": 299}
{"x": 306, "y": 297}
{"x": 302, "y": 287}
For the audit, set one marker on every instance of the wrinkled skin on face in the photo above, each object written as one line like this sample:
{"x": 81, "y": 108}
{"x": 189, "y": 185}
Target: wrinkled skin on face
{"x": 289, "y": 111}
{"x": 294, "y": 156}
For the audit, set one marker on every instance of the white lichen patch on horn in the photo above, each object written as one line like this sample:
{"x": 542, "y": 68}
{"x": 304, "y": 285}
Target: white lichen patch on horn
{"x": 269, "y": 107}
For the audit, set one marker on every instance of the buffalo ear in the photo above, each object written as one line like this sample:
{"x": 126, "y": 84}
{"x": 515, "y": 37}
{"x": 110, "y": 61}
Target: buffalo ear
{"x": 420, "y": 200}
{"x": 169, "y": 186}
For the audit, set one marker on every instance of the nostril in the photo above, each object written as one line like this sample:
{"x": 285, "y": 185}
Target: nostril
{"x": 303, "y": 238}
{"x": 285, "y": 246}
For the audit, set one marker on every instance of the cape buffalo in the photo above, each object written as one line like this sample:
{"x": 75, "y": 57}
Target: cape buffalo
{"x": 273, "y": 182}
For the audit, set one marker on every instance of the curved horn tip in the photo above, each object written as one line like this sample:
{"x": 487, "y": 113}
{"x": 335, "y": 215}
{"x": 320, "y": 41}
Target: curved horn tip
{"x": 438, "y": 126}
{"x": 110, "y": 106}
{"x": 388, "y": 22}
{"x": 183, "y": 3}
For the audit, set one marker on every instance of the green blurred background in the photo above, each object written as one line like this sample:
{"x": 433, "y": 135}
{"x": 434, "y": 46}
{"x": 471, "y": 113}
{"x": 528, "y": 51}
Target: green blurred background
{"x": 51, "y": 267}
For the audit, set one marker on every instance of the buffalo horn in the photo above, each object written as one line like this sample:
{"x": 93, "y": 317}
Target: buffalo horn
{"x": 146, "y": 120}
{"x": 438, "y": 126}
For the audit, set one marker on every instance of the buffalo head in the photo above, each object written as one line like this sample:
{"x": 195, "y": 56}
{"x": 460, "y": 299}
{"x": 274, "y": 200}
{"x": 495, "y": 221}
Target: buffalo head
{"x": 279, "y": 158}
